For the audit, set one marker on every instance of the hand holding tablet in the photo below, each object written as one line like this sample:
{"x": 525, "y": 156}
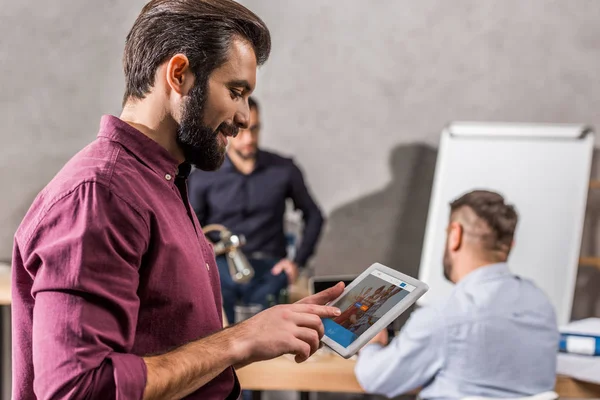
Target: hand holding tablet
{"x": 370, "y": 303}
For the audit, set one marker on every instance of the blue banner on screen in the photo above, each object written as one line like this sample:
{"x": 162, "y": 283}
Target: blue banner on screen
{"x": 364, "y": 305}
{"x": 341, "y": 335}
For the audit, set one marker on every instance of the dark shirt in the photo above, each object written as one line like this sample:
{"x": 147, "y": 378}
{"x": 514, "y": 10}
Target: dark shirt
{"x": 254, "y": 205}
{"x": 110, "y": 265}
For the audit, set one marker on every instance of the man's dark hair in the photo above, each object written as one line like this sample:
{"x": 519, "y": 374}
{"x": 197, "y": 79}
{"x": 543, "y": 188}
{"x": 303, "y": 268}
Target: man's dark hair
{"x": 203, "y": 30}
{"x": 252, "y": 103}
{"x": 491, "y": 208}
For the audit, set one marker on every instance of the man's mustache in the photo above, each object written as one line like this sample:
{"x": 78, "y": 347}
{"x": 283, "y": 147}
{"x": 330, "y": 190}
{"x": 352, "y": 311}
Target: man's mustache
{"x": 228, "y": 129}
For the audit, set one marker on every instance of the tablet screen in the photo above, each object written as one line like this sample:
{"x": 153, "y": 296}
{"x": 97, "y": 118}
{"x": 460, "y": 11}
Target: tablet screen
{"x": 364, "y": 305}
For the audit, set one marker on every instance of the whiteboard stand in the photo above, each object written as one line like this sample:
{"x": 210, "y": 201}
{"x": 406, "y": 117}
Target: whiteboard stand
{"x": 544, "y": 170}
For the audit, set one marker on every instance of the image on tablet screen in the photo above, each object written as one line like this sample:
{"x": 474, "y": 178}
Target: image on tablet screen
{"x": 363, "y": 306}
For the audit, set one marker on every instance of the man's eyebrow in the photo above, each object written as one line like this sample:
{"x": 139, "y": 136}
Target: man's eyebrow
{"x": 240, "y": 83}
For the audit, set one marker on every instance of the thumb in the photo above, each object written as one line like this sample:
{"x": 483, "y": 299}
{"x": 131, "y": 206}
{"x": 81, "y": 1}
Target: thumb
{"x": 276, "y": 270}
{"x": 325, "y": 296}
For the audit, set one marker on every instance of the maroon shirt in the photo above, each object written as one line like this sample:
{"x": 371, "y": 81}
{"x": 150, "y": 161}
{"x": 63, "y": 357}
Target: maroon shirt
{"x": 110, "y": 265}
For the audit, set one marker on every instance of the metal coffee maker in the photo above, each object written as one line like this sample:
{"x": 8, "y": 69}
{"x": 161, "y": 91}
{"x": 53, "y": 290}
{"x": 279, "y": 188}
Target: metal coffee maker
{"x": 229, "y": 245}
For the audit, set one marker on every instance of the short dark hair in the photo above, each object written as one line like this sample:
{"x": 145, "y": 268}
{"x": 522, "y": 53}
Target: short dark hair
{"x": 203, "y": 30}
{"x": 252, "y": 103}
{"x": 490, "y": 207}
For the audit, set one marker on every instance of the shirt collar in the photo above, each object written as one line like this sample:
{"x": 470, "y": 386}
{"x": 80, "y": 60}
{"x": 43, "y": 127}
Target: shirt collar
{"x": 491, "y": 271}
{"x": 142, "y": 147}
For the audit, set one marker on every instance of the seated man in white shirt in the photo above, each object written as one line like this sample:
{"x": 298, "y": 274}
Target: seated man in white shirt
{"x": 495, "y": 336}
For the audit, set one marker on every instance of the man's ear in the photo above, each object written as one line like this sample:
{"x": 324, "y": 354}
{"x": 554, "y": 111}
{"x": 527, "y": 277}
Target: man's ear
{"x": 179, "y": 76}
{"x": 455, "y": 236}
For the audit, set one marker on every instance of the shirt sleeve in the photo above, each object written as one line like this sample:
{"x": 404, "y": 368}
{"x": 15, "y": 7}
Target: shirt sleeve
{"x": 410, "y": 361}
{"x": 84, "y": 258}
{"x": 311, "y": 214}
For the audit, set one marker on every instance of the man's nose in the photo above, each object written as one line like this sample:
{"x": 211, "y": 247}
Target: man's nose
{"x": 242, "y": 115}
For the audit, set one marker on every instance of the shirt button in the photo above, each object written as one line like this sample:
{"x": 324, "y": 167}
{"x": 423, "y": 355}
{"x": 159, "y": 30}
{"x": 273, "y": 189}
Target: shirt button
{"x": 207, "y": 267}
{"x": 168, "y": 177}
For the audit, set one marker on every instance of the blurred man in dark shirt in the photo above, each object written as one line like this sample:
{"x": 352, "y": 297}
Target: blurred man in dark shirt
{"x": 248, "y": 196}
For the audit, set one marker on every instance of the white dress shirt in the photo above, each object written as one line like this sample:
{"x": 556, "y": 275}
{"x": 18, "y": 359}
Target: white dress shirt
{"x": 495, "y": 336}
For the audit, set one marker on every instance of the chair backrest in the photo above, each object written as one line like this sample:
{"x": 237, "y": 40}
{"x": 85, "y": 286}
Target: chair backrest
{"x": 540, "y": 396}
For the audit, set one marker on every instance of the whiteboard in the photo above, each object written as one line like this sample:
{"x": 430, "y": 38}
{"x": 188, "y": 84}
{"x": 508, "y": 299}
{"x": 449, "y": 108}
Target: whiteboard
{"x": 544, "y": 171}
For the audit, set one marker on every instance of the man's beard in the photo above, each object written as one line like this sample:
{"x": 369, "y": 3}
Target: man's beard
{"x": 447, "y": 265}
{"x": 200, "y": 144}
{"x": 251, "y": 155}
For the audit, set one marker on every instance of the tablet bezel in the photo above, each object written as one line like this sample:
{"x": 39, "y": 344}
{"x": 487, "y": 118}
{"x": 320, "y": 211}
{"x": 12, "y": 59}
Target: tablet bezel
{"x": 334, "y": 279}
{"x": 420, "y": 289}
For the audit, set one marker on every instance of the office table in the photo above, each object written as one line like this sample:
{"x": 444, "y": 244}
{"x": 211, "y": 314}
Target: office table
{"x": 5, "y": 338}
{"x": 324, "y": 372}
{"x": 5, "y": 298}
{"x": 327, "y": 372}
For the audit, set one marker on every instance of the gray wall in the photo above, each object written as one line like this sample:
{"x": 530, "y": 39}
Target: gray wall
{"x": 358, "y": 92}
{"x": 350, "y": 80}
{"x": 61, "y": 69}
{"x": 348, "y": 84}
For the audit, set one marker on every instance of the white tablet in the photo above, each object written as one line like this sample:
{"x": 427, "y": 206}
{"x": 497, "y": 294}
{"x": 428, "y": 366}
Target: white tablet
{"x": 317, "y": 284}
{"x": 369, "y": 304}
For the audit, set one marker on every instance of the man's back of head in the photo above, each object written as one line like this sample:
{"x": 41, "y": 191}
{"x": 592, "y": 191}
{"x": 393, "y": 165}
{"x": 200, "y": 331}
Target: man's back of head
{"x": 481, "y": 231}
{"x": 494, "y": 336}
{"x": 498, "y": 326}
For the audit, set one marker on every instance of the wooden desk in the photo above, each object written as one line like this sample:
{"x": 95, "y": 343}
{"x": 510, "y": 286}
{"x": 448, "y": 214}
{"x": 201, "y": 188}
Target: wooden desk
{"x": 324, "y": 372}
{"x": 320, "y": 373}
{"x": 5, "y": 298}
{"x": 5, "y": 339}
{"x": 330, "y": 373}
